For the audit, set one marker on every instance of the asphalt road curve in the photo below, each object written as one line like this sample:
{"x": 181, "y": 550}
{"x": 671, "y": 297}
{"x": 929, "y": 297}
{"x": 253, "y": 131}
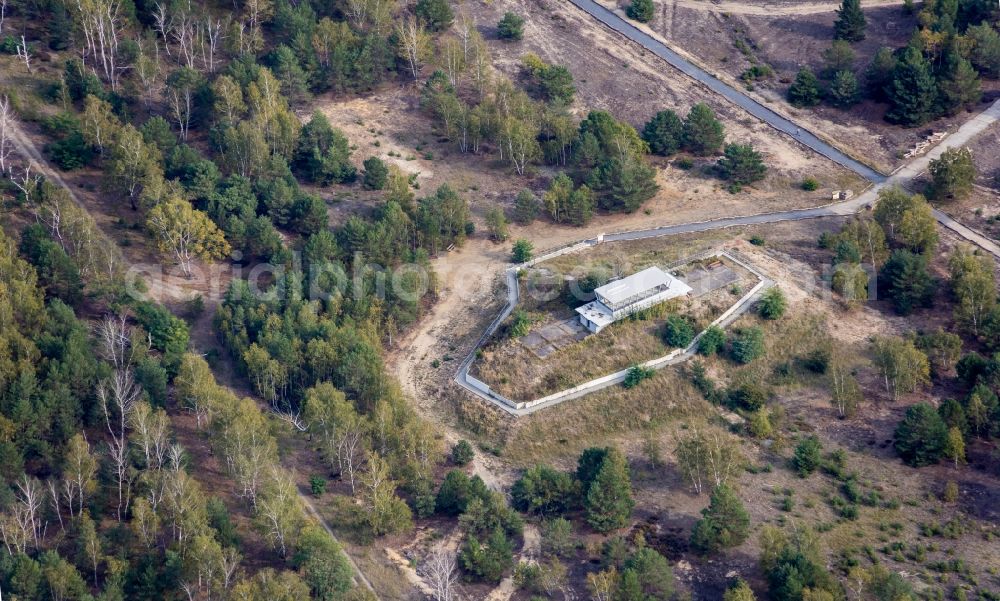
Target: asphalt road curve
{"x": 750, "y": 105}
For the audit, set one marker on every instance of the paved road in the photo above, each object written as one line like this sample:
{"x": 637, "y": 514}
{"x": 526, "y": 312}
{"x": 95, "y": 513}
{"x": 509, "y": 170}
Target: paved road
{"x": 750, "y": 105}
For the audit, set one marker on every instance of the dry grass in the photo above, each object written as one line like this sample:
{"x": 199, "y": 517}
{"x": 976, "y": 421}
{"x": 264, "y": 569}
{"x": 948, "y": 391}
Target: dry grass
{"x": 622, "y": 258}
{"x": 516, "y": 372}
{"x": 561, "y": 432}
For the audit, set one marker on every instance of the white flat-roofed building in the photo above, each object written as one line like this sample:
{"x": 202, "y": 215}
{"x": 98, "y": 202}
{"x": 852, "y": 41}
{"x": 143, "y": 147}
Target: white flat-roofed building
{"x": 623, "y": 297}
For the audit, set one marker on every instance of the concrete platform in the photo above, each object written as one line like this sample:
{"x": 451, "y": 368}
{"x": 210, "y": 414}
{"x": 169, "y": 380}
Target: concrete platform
{"x": 551, "y": 337}
{"x": 703, "y": 280}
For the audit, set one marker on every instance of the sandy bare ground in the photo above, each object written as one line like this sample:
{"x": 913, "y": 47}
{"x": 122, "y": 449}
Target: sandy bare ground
{"x": 768, "y": 8}
{"x": 727, "y": 43}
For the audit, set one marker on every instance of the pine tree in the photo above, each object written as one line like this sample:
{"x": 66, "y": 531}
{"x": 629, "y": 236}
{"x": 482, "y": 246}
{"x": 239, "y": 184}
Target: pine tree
{"x": 838, "y": 57}
{"x": 703, "y": 133}
{"x": 851, "y": 22}
{"x": 843, "y": 90}
{"x": 664, "y": 133}
{"x": 609, "y": 500}
{"x": 807, "y": 456}
{"x": 376, "y": 173}
{"x": 959, "y": 83}
{"x": 922, "y": 437}
{"x": 725, "y": 522}
{"x": 436, "y": 14}
{"x": 742, "y": 164}
{"x": 804, "y": 91}
{"x": 906, "y": 282}
{"x": 912, "y": 93}
{"x": 510, "y": 27}
{"x": 525, "y": 207}
{"x": 878, "y": 75}
{"x": 985, "y": 54}
{"x": 580, "y": 207}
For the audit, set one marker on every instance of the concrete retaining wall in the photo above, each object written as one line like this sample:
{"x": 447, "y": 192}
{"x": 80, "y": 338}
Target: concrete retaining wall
{"x": 674, "y": 356}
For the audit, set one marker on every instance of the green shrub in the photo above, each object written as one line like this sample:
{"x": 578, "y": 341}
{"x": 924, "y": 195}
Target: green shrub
{"x": 725, "y": 522}
{"x": 376, "y": 174}
{"x": 807, "y": 456}
{"x": 462, "y": 453}
{"x": 637, "y": 374}
{"x": 810, "y": 184}
{"x": 510, "y": 27}
{"x": 772, "y": 304}
{"x": 520, "y": 325}
{"x": 712, "y": 341}
{"x": 544, "y": 490}
{"x": 748, "y": 345}
{"x": 522, "y": 251}
{"x": 317, "y": 485}
{"x": 684, "y": 164}
{"x": 678, "y": 331}
{"x": 750, "y": 396}
{"x": 757, "y": 72}
{"x": 640, "y": 10}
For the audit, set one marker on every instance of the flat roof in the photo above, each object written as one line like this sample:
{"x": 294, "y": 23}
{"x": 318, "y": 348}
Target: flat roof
{"x": 597, "y": 313}
{"x": 637, "y": 283}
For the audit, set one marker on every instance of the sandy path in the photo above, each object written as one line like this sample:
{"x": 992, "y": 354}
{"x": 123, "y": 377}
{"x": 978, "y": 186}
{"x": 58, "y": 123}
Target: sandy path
{"x": 529, "y": 553}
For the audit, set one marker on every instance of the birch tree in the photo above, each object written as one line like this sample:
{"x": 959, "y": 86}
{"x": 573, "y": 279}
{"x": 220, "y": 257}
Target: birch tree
{"x": 387, "y": 513}
{"x": 99, "y": 124}
{"x": 145, "y": 521}
{"x": 278, "y": 513}
{"x": 78, "y": 472}
{"x": 974, "y": 285}
{"x": 453, "y": 59}
{"x": 186, "y": 233}
{"x": 117, "y": 396}
{"x": 371, "y": 15}
{"x": 440, "y": 573}
{"x": 845, "y": 392}
{"x": 903, "y": 367}
{"x": 412, "y": 44}
{"x": 147, "y": 70}
{"x": 228, "y": 94}
{"x": 20, "y": 524}
{"x": 102, "y": 23}
{"x": 181, "y": 87}
{"x": 134, "y": 167}
{"x": 256, "y": 13}
{"x": 8, "y": 127}
{"x": 150, "y": 433}
{"x": 28, "y": 495}
{"x": 706, "y": 453}
{"x": 184, "y": 505}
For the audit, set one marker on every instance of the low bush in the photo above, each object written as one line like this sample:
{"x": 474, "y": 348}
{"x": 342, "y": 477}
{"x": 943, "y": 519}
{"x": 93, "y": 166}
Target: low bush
{"x": 678, "y": 331}
{"x": 636, "y": 374}
{"x": 462, "y": 453}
